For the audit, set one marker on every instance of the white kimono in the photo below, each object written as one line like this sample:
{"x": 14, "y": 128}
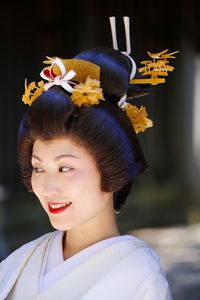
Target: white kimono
{"x": 122, "y": 267}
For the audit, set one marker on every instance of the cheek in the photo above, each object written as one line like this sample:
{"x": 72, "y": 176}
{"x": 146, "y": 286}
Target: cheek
{"x": 87, "y": 183}
{"x": 36, "y": 184}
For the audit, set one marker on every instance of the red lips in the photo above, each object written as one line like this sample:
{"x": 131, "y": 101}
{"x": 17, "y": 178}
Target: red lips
{"x": 60, "y": 207}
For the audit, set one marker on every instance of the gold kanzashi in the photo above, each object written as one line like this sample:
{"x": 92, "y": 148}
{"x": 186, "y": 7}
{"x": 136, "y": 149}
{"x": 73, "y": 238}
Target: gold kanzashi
{"x": 158, "y": 66}
{"x": 32, "y": 91}
{"x": 81, "y": 67}
{"x": 88, "y": 93}
{"x": 138, "y": 117}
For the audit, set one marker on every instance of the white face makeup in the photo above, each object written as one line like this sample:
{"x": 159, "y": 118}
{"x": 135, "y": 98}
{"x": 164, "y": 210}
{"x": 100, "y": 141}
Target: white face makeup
{"x": 66, "y": 181}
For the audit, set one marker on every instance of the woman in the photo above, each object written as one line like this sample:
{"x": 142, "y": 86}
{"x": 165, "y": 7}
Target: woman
{"x": 79, "y": 154}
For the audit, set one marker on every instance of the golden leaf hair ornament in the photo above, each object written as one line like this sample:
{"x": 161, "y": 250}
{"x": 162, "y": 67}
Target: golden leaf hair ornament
{"x": 32, "y": 91}
{"x": 88, "y": 93}
{"x": 138, "y": 117}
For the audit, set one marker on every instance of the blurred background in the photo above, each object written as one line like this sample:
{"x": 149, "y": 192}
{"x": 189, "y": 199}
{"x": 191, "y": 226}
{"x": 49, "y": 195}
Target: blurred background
{"x": 164, "y": 205}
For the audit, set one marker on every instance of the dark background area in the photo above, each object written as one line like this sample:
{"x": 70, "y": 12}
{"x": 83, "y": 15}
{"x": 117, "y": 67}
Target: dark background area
{"x": 169, "y": 193}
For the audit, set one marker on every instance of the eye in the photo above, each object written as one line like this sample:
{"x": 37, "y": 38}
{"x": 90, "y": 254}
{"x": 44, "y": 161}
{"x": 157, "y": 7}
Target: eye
{"x": 64, "y": 169}
{"x": 37, "y": 170}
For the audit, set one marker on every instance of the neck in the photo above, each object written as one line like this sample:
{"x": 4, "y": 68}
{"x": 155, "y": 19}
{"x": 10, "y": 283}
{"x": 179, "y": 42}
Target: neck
{"x": 88, "y": 234}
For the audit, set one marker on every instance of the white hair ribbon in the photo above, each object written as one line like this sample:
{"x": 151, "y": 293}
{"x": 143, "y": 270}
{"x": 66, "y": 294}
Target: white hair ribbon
{"x": 128, "y": 42}
{"x": 62, "y": 80}
{"x": 122, "y": 102}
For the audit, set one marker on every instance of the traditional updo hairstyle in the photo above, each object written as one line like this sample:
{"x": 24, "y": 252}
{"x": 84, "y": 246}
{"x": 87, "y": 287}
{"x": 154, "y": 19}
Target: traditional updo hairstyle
{"x": 103, "y": 129}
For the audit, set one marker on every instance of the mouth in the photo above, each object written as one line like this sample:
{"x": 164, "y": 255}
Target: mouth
{"x": 56, "y": 207}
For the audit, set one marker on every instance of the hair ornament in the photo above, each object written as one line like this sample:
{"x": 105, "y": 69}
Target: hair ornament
{"x": 137, "y": 116}
{"x": 63, "y": 79}
{"x": 81, "y": 67}
{"x": 85, "y": 88}
{"x": 128, "y": 42}
{"x": 88, "y": 92}
{"x": 155, "y": 68}
{"x": 122, "y": 102}
{"x": 32, "y": 91}
{"x": 158, "y": 66}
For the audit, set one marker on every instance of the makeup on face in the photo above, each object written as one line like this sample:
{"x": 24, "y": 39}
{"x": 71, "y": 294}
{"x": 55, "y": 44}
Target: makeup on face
{"x": 56, "y": 207}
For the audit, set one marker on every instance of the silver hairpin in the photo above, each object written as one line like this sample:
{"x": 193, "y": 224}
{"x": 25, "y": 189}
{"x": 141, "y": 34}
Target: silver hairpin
{"x": 128, "y": 41}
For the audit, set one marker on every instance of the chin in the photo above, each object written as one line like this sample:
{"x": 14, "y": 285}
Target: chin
{"x": 60, "y": 226}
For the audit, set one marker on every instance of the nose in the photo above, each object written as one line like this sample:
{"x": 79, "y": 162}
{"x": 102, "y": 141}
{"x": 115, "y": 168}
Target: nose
{"x": 51, "y": 187}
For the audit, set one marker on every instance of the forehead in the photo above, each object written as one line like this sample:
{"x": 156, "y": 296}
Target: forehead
{"x": 59, "y": 146}
{"x": 54, "y": 151}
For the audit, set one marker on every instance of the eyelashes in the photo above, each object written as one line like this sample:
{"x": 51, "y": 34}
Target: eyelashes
{"x": 63, "y": 169}
{"x": 37, "y": 170}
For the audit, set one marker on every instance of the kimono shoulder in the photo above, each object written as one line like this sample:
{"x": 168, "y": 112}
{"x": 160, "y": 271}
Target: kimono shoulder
{"x": 139, "y": 276}
{"x": 11, "y": 267}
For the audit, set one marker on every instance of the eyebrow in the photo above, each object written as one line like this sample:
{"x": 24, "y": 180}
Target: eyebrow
{"x": 57, "y": 157}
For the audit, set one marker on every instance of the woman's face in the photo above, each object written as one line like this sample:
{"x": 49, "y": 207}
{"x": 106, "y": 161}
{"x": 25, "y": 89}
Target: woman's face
{"x": 66, "y": 181}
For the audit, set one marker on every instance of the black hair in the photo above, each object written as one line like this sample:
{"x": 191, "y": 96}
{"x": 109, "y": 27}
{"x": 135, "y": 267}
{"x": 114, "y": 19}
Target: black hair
{"x": 103, "y": 129}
